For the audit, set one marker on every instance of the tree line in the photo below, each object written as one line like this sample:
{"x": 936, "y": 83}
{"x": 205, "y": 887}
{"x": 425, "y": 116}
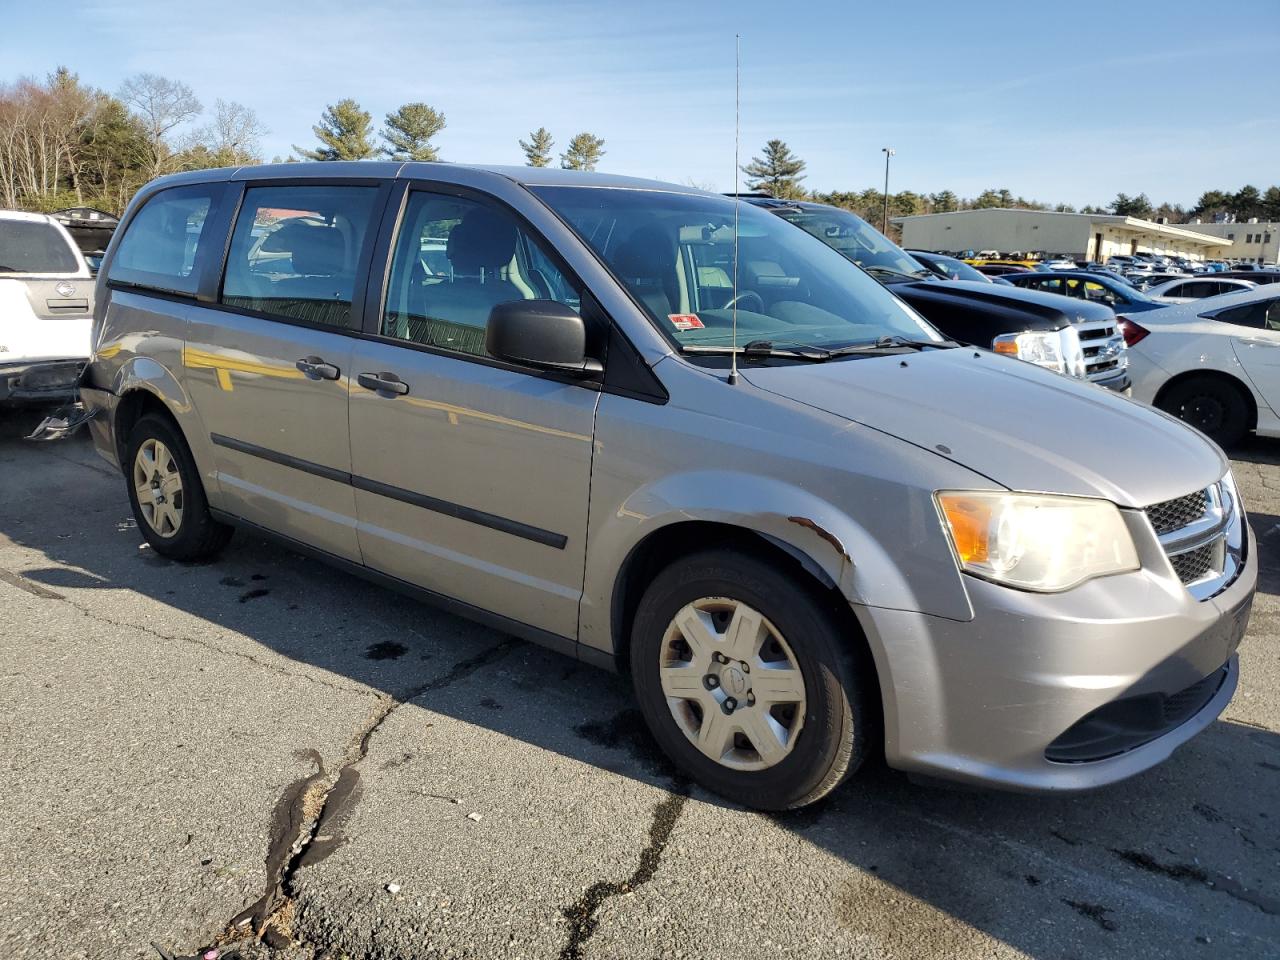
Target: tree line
{"x": 779, "y": 172}
{"x": 65, "y": 143}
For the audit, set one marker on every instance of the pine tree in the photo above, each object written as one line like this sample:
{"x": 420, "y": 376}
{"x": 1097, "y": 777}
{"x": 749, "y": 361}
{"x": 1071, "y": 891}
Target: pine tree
{"x": 537, "y": 150}
{"x": 409, "y": 130}
{"x": 585, "y": 151}
{"x": 343, "y": 132}
{"x": 778, "y": 173}
{"x": 944, "y": 202}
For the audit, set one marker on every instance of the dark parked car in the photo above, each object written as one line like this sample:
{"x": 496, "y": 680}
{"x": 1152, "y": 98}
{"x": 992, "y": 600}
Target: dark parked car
{"x": 1122, "y": 297}
{"x": 1257, "y": 276}
{"x": 949, "y": 268}
{"x": 1079, "y": 339}
{"x": 1000, "y": 269}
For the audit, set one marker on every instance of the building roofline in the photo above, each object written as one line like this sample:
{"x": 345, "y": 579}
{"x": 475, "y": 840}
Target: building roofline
{"x": 1133, "y": 223}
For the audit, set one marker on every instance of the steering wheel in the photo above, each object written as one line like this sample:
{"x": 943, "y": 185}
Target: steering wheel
{"x": 746, "y": 295}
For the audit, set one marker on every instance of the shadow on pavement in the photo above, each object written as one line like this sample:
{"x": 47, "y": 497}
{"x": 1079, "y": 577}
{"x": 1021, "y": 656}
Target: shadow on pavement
{"x": 1179, "y": 861}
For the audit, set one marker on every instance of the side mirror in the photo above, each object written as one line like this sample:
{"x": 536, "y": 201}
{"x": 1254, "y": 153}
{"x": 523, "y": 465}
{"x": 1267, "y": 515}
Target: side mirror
{"x": 540, "y": 333}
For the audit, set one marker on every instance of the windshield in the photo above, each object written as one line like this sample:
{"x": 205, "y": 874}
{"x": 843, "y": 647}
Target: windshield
{"x": 32, "y": 246}
{"x": 675, "y": 254}
{"x": 850, "y": 235}
{"x": 959, "y": 270}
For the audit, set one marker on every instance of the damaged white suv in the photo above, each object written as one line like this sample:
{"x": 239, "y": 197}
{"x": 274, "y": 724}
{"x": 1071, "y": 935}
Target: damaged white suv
{"x": 46, "y": 310}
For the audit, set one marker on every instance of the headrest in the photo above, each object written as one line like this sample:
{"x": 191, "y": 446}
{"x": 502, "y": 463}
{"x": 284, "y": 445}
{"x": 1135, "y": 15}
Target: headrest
{"x": 484, "y": 239}
{"x": 316, "y": 250}
{"x": 648, "y": 254}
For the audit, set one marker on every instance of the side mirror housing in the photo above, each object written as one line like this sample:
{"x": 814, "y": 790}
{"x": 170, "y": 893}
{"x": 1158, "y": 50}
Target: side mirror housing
{"x": 540, "y": 333}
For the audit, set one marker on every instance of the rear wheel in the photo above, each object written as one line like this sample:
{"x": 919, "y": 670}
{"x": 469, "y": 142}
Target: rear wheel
{"x": 167, "y": 495}
{"x": 747, "y": 681}
{"x": 1212, "y": 405}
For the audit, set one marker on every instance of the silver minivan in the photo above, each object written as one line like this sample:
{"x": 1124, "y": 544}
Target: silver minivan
{"x": 672, "y": 435}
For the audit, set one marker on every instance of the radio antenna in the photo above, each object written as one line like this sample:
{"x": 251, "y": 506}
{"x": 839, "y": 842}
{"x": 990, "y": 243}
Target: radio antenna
{"x": 737, "y": 200}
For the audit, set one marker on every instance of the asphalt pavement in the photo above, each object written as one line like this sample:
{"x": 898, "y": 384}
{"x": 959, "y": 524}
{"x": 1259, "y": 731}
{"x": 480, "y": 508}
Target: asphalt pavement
{"x": 192, "y": 754}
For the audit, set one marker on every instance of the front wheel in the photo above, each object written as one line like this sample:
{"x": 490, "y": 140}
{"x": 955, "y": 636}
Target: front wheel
{"x": 167, "y": 495}
{"x": 1212, "y": 405}
{"x": 747, "y": 681}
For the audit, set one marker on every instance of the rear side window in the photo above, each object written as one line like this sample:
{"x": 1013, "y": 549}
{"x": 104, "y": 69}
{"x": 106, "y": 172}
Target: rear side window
{"x": 30, "y": 246}
{"x": 1261, "y": 314}
{"x": 160, "y": 243}
{"x": 295, "y": 250}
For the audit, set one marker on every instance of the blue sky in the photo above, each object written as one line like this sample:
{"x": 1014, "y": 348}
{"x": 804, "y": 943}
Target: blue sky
{"x": 1063, "y": 102}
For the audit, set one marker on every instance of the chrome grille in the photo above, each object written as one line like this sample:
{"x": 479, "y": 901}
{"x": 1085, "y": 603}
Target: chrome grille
{"x": 1171, "y": 515}
{"x": 1194, "y": 564}
{"x": 1105, "y": 353}
{"x": 1202, "y": 534}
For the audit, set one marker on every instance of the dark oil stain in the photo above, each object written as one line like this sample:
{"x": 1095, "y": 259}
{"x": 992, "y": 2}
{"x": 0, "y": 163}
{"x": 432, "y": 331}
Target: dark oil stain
{"x": 582, "y": 914}
{"x": 292, "y": 606}
{"x": 1268, "y": 766}
{"x": 1065, "y": 839}
{"x": 253, "y": 594}
{"x": 258, "y": 576}
{"x": 385, "y": 650}
{"x": 1094, "y": 911}
{"x": 627, "y": 730}
{"x": 1032, "y": 880}
{"x": 231, "y": 582}
{"x": 399, "y": 761}
{"x": 1207, "y": 812}
{"x": 1187, "y": 872}
{"x": 490, "y": 704}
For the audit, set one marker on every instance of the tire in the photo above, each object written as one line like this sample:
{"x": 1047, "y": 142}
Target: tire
{"x": 1212, "y": 405}
{"x": 174, "y": 518}
{"x": 835, "y": 729}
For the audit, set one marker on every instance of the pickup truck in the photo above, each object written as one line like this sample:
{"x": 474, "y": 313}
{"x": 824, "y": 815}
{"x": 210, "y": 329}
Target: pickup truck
{"x": 1071, "y": 337}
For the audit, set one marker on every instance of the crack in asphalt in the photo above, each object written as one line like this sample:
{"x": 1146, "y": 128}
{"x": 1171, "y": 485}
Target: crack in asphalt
{"x": 1194, "y": 873}
{"x": 299, "y": 839}
{"x": 582, "y": 915}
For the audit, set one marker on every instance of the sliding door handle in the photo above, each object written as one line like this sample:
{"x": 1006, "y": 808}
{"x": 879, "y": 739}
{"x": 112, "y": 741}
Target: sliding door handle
{"x": 316, "y": 369}
{"x": 387, "y": 384}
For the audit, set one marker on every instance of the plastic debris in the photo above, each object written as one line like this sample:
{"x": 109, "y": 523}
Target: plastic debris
{"x": 393, "y": 888}
{"x": 474, "y": 816}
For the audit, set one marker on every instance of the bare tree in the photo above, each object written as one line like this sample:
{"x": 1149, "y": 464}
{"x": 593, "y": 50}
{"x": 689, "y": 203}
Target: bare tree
{"x": 162, "y": 105}
{"x": 233, "y": 139}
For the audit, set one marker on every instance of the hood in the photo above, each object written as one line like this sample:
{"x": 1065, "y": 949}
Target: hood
{"x": 1022, "y": 427}
{"x": 1043, "y": 311}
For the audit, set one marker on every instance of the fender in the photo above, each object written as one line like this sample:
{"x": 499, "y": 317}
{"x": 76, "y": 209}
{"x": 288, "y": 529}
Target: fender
{"x": 149, "y": 375}
{"x": 821, "y": 535}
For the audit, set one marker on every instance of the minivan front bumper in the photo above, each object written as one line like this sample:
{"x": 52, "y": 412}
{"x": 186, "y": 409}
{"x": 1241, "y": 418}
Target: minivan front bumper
{"x": 1107, "y": 679}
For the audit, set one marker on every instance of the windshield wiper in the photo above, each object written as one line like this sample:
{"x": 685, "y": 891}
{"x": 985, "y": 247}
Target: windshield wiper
{"x": 763, "y": 348}
{"x": 893, "y": 342}
{"x": 890, "y": 272}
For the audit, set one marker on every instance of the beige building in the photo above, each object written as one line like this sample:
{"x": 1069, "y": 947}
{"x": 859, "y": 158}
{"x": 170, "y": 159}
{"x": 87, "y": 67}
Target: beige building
{"x": 1082, "y": 236}
{"x": 1250, "y": 241}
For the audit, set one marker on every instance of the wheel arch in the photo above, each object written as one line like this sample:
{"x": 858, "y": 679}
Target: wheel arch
{"x": 1210, "y": 373}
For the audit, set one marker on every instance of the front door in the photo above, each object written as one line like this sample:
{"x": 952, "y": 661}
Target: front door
{"x": 471, "y": 475}
{"x": 1256, "y": 339}
{"x": 269, "y": 367}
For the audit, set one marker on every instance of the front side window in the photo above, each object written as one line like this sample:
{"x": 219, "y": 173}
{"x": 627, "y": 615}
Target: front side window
{"x": 457, "y": 258}
{"x": 295, "y": 250}
{"x": 674, "y": 253}
{"x": 32, "y": 246}
{"x": 160, "y": 243}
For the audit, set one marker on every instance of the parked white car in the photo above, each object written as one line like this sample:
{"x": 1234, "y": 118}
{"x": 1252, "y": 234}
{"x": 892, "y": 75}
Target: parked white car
{"x": 1212, "y": 363}
{"x": 46, "y": 310}
{"x": 1187, "y": 289}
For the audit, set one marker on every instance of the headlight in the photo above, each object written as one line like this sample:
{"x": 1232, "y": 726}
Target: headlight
{"x": 1036, "y": 542}
{"x": 1056, "y": 350}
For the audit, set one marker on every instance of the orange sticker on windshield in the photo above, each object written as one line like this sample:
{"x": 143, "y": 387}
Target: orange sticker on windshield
{"x": 685, "y": 321}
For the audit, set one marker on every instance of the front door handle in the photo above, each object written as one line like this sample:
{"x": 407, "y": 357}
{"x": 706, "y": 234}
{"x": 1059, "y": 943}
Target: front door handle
{"x": 383, "y": 383}
{"x": 316, "y": 369}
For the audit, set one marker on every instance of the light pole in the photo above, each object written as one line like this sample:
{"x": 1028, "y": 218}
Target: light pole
{"x": 884, "y": 226}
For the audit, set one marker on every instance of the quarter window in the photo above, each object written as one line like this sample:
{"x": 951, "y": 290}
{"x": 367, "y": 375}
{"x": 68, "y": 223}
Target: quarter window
{"x": 295, "y": 250}
{"x": 160, "y": 242}
{"x": 1261, "y": 315}
{"x": 455, "y": 260}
